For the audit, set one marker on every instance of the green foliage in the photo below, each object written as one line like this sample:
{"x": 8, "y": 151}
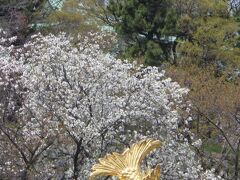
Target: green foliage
{"x": 142, "y": 24}
{"x": 73, "y": 18}
{"x": 154, "y": 54}
{"x": 210, "y": 36}
{"x": 213, "y": 148}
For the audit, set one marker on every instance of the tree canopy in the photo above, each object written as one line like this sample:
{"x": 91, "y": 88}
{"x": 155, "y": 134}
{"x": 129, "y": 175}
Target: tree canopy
{"x": 72, "y": 103}
{"x": 144, "y": 24}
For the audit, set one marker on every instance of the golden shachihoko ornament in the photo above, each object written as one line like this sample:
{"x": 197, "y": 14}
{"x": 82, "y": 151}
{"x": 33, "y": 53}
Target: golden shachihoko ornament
{"x": 127, "y": 166}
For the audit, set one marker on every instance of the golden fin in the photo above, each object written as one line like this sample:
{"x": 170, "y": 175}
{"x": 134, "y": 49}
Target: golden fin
{"x": 127, "y": 166}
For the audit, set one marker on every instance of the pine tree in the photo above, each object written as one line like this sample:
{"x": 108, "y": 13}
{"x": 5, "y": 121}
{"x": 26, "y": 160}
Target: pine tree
{"x": 144, "y": 23}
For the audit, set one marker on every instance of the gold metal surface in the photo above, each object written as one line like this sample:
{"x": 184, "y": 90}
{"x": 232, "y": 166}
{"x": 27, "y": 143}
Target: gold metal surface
{"x": 127, "y": 166}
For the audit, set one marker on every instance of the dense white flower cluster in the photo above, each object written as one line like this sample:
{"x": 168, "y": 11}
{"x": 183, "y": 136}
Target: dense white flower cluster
{"x": 78, "y": 103}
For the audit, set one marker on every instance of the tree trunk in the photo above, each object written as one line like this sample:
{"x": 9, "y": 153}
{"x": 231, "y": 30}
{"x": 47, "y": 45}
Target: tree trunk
{"x": 24, "y": 175}
{"x": 75, "y": 160}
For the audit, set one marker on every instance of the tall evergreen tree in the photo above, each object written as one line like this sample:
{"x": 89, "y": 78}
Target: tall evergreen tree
{"x": 146, "y": 24}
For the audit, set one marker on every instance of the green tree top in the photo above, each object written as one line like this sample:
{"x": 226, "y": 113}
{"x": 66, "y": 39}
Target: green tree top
{"x": 143, "y": 23}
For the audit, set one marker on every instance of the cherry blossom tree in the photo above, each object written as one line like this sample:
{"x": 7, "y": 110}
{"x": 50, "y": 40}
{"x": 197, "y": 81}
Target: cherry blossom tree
{"x": 77, "y": 103}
